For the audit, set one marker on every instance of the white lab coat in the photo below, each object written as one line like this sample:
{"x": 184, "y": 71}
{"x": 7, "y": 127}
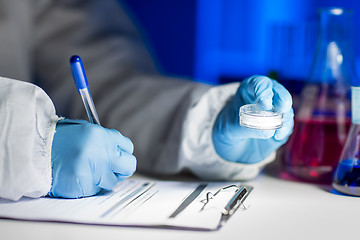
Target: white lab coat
{"x": 169, "y": 120}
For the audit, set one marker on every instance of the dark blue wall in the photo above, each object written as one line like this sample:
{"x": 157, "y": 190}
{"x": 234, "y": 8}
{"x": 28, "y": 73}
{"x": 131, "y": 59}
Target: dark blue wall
{"x": 170, "y": 29}
{"x": 221, "y": 40}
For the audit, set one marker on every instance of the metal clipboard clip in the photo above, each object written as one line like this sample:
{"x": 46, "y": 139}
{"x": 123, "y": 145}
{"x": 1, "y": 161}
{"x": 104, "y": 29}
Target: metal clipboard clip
{"x": 234, "y": 203}
{"x": 240, "y": 195}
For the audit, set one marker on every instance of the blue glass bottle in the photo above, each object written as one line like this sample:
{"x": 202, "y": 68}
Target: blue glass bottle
{"x": 347, "y": 175}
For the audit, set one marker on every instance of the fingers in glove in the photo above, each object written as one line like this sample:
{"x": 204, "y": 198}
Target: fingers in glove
{"x": 282, "y": 99}
{"x": 259, "y": 89}
{"x": 124, "y": 164}
{"x": 122, "y": 141}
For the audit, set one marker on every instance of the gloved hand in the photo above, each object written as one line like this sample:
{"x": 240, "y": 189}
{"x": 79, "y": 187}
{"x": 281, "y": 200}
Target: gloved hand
{"x": 243, "y": 145}
{"x": 87, "y": 157}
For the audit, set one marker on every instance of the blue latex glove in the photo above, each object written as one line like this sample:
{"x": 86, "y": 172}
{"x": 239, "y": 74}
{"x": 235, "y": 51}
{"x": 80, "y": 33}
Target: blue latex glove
{"x": 239, "y": 144}
{"x": 87, "y": 157}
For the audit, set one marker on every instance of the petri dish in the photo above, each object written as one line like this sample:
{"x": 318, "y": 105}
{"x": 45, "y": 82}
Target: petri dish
{"x": 253, "y": 116}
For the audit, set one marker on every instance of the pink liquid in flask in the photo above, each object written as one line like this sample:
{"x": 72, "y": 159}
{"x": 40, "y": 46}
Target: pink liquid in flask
{"x": 314, "y": 148}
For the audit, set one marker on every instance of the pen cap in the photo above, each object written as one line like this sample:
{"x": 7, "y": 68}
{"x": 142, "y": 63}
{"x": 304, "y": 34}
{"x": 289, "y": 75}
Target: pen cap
{"x": 78, "y": 72}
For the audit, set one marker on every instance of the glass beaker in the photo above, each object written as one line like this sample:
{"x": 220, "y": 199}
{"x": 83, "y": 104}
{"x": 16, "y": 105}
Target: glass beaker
{"x": 347, "y": 175}
{"x": 323, "y": 117}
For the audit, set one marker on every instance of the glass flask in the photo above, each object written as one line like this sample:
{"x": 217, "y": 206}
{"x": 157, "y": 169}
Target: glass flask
{"x": 347, "y": 175}
{"x": 323, "y": 116}
{"x": 256, "y": 117}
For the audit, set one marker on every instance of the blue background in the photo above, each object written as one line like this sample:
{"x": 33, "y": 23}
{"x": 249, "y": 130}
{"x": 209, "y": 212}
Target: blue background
{"x": 217, "y": 41}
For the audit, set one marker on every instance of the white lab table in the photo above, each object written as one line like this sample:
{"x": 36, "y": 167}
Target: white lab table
{"x": 277, "y": 209}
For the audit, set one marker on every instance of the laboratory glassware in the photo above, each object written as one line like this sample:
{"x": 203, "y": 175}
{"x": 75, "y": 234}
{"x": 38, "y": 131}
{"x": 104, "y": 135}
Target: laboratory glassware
{"x": 255, "y": 117}
{"x": 323, "y": 116}
{"x": 347, "y": 175}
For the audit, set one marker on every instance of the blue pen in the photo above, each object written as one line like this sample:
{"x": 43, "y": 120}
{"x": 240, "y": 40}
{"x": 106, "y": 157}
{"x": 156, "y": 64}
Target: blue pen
{"x": 78, "y": 72}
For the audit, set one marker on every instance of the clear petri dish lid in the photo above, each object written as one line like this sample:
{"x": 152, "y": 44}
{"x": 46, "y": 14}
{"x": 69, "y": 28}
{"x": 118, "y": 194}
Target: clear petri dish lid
{"x": 255, "y": 117}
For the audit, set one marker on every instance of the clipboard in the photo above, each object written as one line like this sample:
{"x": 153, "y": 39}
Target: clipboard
{"x": 201, "y": 206}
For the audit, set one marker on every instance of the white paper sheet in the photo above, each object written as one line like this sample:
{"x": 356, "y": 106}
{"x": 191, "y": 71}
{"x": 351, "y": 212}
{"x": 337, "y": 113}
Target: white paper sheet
{"x": 133, "y": 203}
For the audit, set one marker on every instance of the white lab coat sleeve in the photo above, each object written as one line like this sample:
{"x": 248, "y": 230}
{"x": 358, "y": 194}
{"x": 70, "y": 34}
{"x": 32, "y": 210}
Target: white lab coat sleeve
{"x": 197, "y": 151}
{"x": 27, "y": 127}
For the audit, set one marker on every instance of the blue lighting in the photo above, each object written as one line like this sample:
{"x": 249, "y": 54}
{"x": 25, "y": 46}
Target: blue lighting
{"x": 235, "y": 38}
{"x": 215, "y": 41}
